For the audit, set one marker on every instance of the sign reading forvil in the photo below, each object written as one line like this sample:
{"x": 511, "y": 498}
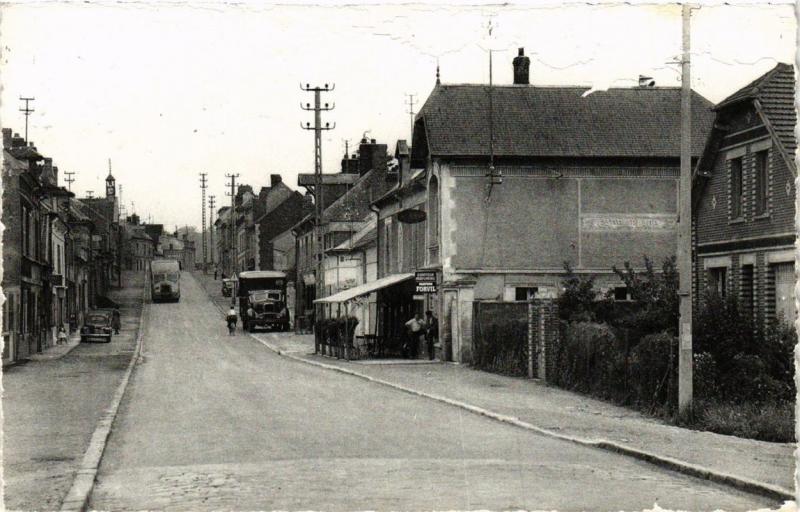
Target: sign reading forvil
{"x": 426, "y": 282}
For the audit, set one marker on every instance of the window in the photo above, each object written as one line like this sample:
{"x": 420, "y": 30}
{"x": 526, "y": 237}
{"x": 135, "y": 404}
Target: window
{"x": 761, "y": 182}
{"x": 525, "y": 292}
{"x": 747, "y": 289}
{"x": 784, "y": 278}
{"x": 717, "y": 280}
{"x": 58, "y": 259}
{"x": 621, "y": 294}
{"x": 736, "y": 188}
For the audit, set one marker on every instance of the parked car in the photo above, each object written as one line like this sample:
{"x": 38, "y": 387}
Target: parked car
{"x": 228, "y": 286}
{"x": 97, "y": 325}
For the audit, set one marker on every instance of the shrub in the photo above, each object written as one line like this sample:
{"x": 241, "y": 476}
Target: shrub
{"x": 501, "y": 344}
{"x": 653, "y": 372}
{"x": 577, "y": 302}
{"x": 590, "y": 360}
{"x": 655, "y": 295}
{"x": 764, "y": 421}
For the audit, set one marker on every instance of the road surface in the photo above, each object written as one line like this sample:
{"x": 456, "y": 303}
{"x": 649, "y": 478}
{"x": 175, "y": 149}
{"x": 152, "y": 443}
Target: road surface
{"x": 211, "y": 421}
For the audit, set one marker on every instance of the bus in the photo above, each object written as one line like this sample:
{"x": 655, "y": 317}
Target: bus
{"x": 265, "y": 292}
{"x": 165, "y": 280}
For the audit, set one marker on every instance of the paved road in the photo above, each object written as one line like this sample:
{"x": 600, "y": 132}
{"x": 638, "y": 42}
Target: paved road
{"x": 212, "y": 421}
{"x": 51, "y": 408}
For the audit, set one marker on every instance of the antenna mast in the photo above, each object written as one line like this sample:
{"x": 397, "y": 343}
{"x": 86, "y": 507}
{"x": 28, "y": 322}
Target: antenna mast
{"x": 27, "y": 110}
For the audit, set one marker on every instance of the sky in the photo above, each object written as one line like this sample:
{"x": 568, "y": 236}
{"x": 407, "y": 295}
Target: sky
{"x": 169, "y": 90}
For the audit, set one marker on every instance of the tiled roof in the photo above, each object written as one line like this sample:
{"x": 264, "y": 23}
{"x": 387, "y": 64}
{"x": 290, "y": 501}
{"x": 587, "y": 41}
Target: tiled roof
{"x": 354, "y": 204}
{"x": 536, "y": 121}
{"x": 774, "y": 90}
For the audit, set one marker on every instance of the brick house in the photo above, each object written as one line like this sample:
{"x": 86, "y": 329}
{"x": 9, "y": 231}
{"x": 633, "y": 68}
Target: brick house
{"x": 567, "y": 176}
{"x": 279, "y": 208}
{"x": 743, "y": 199}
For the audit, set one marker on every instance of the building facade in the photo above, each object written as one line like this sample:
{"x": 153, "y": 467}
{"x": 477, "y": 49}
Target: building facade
{"x": 744, "y": 199}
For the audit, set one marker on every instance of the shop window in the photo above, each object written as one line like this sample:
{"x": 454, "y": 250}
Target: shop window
{"x": 525, "y": 293}
{"x": 717, "y": 280}
{"x": 761, "y": 182}
{"x": 736, "y": 188}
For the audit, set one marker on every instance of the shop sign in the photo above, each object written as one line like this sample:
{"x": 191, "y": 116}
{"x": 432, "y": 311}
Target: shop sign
{"x": 426, "y": 282}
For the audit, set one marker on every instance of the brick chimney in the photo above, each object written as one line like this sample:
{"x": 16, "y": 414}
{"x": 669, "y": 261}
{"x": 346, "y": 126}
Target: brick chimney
{"x": 47, "y": 172}
{"x": 17, "y": 141}
{"x": 274, "y": 179}
{"x": 371, "y": 155}
{"x": 522, "y": 66}
{"x": 7, "y": 136}
{"x": 350, "y": 164}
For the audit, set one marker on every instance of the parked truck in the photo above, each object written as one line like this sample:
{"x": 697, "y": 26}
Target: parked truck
{"x": 265, "y": 292}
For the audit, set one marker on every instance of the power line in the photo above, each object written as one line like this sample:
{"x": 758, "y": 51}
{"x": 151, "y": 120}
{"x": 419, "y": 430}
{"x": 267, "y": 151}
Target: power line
{"x": 318, "y": 195}
{"x": 27, "y": 110}
{"x": 203, "y": 187}
{"x": 69, "y": 179}
{"x": 410, "y": 103}
{"x": 232, "y": 222}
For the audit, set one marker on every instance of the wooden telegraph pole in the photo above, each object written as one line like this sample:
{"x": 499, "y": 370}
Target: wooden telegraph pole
{"x": 685, "y": 229}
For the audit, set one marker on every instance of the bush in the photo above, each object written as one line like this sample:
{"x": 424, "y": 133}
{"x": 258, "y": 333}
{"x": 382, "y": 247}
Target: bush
{"x": 764, "y": 421}
{"x": 501, "y": 340}
{"x": 655, "y": 296}
{"x": 653, "y": 372}
{"x": 577, "y": 302}
{"x": 590, "y": 360}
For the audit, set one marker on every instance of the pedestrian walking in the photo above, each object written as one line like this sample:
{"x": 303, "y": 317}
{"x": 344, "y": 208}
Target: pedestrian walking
{"x": 415, "y": 330}
{"x": 231, "y": 320}
{"x": 431, "y": 332}
{"x": 215, "y": 274}
{"x": 62, "y": 336}
{"x": 116, "y": 322}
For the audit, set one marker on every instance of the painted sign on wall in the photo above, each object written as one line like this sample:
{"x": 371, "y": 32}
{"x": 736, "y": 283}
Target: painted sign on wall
{"x": 605, "y": 222}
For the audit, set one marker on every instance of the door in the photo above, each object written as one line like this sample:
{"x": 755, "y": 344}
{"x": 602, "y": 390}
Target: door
{"x": 784, "y": 292}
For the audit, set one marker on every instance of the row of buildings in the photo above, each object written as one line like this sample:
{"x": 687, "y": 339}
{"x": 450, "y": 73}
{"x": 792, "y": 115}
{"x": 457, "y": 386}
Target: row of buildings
{"x": 501, "y": 186}
{"x": 62, "y": 254}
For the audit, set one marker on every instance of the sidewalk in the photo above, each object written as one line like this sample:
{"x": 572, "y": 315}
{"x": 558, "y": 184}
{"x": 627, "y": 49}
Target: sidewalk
{"x": 52, "y": 403}
{"x": 564, "y": 412}
{"x": 213, "y": 288}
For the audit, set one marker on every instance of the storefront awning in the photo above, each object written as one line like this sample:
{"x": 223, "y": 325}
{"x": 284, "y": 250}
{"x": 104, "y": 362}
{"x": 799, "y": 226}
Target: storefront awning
{"x": 365, "y": 289}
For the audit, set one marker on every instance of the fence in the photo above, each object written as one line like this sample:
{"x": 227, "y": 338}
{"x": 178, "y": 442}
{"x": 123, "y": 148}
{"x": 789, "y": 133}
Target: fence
{"x": 516, "y": 338}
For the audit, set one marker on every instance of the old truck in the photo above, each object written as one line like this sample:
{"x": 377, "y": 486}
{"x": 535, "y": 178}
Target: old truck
{"x": 263, "y": 292}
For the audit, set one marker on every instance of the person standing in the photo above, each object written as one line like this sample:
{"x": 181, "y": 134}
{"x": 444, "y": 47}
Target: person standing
{"x": 415, "y": 329}
{"x": 116, "y": 322}
{"x": 431, "y": 332}
{"x": 231, "y": 320}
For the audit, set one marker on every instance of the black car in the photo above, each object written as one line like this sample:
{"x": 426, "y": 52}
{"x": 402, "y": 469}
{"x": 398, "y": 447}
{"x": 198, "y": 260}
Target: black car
{"x": 97, "y": 325}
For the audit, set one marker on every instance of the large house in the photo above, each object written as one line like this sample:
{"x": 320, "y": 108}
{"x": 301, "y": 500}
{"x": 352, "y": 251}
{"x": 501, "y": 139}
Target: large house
{"x": 536, "y": 177}
{"x": 744, "y": 199}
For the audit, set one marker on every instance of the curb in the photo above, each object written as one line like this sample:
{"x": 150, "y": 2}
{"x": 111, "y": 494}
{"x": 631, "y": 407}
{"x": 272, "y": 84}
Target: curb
{"x": 739, "y": 483}
{"x": 77, "y": 499}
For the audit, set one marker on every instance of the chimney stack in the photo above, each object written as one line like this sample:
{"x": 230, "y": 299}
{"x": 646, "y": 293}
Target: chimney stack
{"x": 274, "y": 179}
{"x": 371, "y": 155}
{"x": 522, "y": 66}
{"x": 47, "y": 171}
{"x": 7, "y": 138}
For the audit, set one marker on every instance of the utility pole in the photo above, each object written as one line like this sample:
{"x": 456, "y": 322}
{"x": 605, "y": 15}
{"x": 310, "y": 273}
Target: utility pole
{"x": 69, "y": 179}
{"x": 27, "y": 110}
{"x": 319, "y": 207}
{"x": 685, "y": 229}
{"x": 234, "y": 253}
{"x": 89, "y": 194}
{"x": 410, "y": 103}
{"x": 211, "y": 226}
{"x": 203, "y": 186}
